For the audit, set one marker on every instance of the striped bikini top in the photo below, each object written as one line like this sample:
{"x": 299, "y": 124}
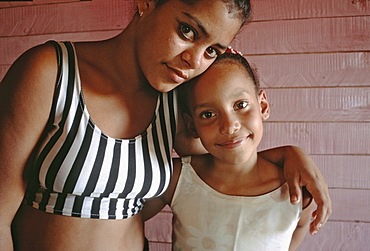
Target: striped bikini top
{"x": 79, "y": 171}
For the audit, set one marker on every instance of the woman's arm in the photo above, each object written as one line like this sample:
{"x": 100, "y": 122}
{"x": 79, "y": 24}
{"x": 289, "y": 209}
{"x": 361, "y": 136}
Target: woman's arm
{"x": 25, "y": 99}
{"x": 304, "y": 222}
{"x": 300, "y": 170}
{"x": 155, "y": 205}
{"x": 185, "y": 143}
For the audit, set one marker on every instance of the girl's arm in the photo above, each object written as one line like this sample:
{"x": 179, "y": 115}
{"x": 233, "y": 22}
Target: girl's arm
{"x": 304, "y": 222}
{"x": 300, "y": 170}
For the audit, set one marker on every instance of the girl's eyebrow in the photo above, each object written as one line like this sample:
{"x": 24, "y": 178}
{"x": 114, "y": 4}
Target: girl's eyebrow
{"x": 237, "y": 94}
{"x": 202, "y": 105}
{"x": 202, "y": 28}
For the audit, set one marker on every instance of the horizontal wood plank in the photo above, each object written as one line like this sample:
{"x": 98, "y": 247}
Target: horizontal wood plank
{"x": 335, "y": 236}
{"x": 313, "y": 70}
{"x": 350, "y": 205}
{"x": 293, "y": 9}
{"x": 159, "y": 228}
{"x": 80, "y": 16}
{"x": 13, "y": 47}
{"x": 159, "y": 246}
{"x": 320, "y": 104}
{"x": 345, "y": 171}
{"x": 344, "y": 34}
{"x": 9, "y": 4}
{"x": 319, "y": 138}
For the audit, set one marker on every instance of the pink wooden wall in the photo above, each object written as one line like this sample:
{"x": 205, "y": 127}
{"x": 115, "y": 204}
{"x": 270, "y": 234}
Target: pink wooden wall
{"x": 314, "y": 60}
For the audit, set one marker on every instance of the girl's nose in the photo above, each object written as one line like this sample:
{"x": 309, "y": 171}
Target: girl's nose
{"x": 229, "y": 124}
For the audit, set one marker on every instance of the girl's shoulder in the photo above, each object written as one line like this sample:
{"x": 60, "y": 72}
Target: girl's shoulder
{"x": 307, "y": 198}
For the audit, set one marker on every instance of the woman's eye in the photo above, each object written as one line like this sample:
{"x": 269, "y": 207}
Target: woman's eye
{"x": 207, "y": 115}
{"x": 242, "y": 104}
{"x": 211, "y": 52}
{"x": 187, "y": 31}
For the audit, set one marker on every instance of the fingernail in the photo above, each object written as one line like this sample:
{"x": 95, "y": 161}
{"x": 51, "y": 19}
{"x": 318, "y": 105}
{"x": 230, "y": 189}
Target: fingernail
{"x": 319, "y": 226}
{"x": 314, "y": 233}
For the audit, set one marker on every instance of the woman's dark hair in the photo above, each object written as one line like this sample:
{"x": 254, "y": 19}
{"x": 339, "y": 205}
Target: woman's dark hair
{"x": 242, "y": 7}
{"x": 226, "y": 58}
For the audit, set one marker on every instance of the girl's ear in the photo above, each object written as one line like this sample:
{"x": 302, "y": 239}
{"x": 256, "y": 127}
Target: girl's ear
{"x": 190, "y": 125}
{"x": 264, "y": 104}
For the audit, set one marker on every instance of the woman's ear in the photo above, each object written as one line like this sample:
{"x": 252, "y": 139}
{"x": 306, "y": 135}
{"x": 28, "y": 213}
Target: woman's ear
{"x": 264, "y": 105}
{"x": 190, "y": 125}
{"x": 144, "y": 5}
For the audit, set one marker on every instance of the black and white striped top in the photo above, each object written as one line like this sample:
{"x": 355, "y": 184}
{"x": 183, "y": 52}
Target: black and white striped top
{"x": 79, "y": 171}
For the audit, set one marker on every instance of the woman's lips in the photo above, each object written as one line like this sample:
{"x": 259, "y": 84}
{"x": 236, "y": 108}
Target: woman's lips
{"x": 177, "y": 76}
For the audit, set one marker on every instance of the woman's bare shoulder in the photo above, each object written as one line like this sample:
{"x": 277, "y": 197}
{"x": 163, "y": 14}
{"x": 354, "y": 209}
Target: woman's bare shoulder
{"x": 32, "y": 77}
{"x": 35, "y": 68}
{"x": 41, "y": 58}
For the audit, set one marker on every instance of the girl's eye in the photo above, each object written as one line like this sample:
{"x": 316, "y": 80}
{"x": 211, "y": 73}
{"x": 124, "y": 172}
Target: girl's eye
{"x": 212, "y": 52}
{"x": 242, "y": 104}
{"x": 187, "y": 31}
{"x": 207, "y": 115}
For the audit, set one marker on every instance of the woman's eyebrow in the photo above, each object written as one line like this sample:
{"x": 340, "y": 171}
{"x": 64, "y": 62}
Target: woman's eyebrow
{"x": 202, "y": 28}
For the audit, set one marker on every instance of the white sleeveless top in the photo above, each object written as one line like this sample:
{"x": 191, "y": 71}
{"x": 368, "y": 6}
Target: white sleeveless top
{"x": 205, "y": 219}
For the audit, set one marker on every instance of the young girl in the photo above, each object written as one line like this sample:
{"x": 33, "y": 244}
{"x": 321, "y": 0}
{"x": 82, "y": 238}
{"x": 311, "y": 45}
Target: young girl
{"x": 230, "y": 198}
{"x": 87, "y": 129}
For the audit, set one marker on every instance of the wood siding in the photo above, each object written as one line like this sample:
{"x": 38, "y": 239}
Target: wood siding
{"x": 314, "y": 63}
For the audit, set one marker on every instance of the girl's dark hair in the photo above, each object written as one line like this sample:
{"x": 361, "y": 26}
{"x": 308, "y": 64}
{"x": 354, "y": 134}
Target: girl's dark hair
{"x": 243, "y": 62}
{"x": 242, "y": 7}
{"x": 185, "y": 90}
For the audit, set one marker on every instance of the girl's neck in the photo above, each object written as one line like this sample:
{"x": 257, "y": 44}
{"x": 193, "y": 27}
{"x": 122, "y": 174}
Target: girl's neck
{"x": 256, "y": 177}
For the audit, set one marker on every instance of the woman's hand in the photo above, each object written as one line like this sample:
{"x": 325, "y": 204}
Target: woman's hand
{"x": 300, "y": 170}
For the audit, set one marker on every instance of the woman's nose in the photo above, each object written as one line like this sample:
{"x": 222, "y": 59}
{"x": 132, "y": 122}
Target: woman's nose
{"x": 230, "y": 124}
{"x": 193, "y": 58}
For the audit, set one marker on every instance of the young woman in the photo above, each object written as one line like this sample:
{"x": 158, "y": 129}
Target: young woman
{"x": 87, "y": 129}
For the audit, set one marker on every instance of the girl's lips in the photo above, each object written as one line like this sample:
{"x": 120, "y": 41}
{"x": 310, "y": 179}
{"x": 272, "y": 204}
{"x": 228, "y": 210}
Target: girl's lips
{"x": 232, "y": 143}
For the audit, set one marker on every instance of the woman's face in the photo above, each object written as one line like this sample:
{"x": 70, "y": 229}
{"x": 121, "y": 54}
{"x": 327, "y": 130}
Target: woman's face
{"x": 177, "y": 42}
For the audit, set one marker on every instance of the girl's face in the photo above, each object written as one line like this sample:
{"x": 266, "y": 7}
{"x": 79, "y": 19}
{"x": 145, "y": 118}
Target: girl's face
{"x": 227, "y": 113}
{"x": 177, "y": 42}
